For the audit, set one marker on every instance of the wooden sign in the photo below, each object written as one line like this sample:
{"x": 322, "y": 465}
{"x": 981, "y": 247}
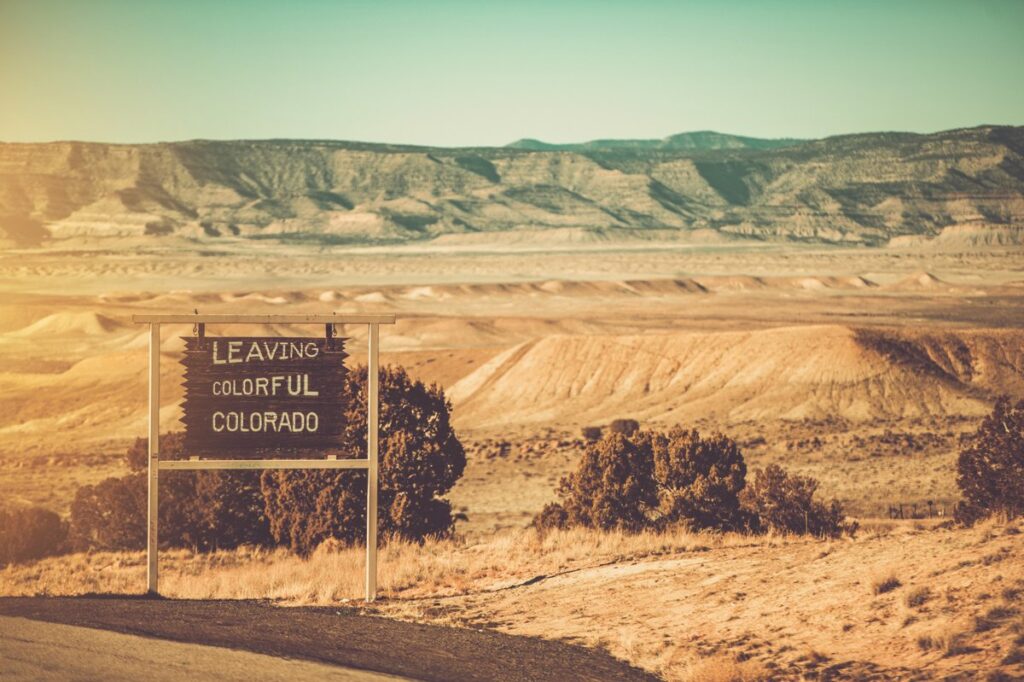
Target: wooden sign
{"x": 248, "y": 396}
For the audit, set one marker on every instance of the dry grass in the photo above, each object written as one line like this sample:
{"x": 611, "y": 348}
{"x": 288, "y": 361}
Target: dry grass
{"x": 671, "y": 603}
{"x": 917, "y": 597}
{"x": 948, "y": 639}
{"x": 334, "y": 574}
{"x": 993, "y": 618}
{"x": 719, "y": 668}
{"x": 885, "y": 581}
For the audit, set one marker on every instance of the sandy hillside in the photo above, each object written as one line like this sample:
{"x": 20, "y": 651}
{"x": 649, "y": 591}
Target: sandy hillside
{"x": 790, "y": 373}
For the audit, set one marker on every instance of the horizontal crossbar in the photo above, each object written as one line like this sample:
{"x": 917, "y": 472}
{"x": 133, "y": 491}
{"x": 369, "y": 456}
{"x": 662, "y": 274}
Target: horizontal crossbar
{"x": 195, "y": 464}
{"x": 383, "y": 318}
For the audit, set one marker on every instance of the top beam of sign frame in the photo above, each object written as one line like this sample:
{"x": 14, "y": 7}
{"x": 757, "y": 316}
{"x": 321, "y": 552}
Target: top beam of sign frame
{"x": 339, "y": 318}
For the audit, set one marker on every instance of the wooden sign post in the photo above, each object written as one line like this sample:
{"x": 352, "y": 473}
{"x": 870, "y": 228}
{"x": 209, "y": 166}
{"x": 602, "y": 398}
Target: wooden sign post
{"x": 248, "y": 396}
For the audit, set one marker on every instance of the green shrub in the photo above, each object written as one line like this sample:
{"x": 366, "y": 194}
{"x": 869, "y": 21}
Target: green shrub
{"x": 653, "y": 480}
{"x": 990, "y": 468}
{"x": 199, "y": 510}
{"x": 420, "y": 458}
{"x": 110, "y": 515}
{"x": 28, "y": 533}
{"x": 172, "y": 446}
{"x": 229, "y": 511}
{"x": 649, "y": 479}
{"x": 612, "y": 487}
{"x": 785, "y": 503}
{"x": 552, "y": 517}
{"x": 699, "y": 479}
{"x": 591, "y": 433}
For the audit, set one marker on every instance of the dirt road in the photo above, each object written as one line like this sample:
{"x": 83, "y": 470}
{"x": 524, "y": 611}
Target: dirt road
{"x": 333, "y": 636}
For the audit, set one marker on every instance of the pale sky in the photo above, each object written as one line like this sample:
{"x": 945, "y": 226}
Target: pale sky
{"x": 465, "y": 73}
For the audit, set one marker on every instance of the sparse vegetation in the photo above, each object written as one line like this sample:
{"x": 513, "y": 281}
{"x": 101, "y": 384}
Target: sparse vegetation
{"x": 575, "y": 583}
{"x": 613, "y": 486}
{"x": 784, "y": 503}
{"x": 627, "y": 427}
{"x": 990, "y": 468}
{"x": 28, "y": 533}
{"x": 949, "y": 640}
{"x": 646, "y": 594}
{"x": 993, "y": 618}
{"x": 885, "y": 582}
{"x": 553, "y": 515}
{"x": 110, "y": 515}
{"x": 435, "y": 566}
{"x": 652, "y": 479}
{"x": 699, "y": 479}
{"x": 917, "y": 597}
{"x": 591, "y": 433}
{"x": 420, "y": 459}
{"x": 199, "y": 510}
{"x": 721, "y": 668}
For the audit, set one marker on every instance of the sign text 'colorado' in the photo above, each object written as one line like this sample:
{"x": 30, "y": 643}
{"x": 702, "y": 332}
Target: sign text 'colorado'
{"x": 251, "y": 395}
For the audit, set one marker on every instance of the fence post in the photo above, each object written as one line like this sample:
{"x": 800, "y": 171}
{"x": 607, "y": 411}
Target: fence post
{"x": 152, "y": 570}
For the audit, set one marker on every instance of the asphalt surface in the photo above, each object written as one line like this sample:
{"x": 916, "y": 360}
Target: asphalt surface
{"x": 323, "y": 635}
{"x": 36, "y": 651}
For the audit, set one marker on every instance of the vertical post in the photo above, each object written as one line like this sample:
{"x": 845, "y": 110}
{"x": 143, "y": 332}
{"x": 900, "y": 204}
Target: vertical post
{"x": 372, "y": 418}
{"x": 154, "y": 457}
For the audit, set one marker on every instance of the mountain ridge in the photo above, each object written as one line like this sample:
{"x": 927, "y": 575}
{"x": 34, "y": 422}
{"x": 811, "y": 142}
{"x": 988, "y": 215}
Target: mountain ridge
{"x": 697, "y": 139}
{"x": 868, "y": 188}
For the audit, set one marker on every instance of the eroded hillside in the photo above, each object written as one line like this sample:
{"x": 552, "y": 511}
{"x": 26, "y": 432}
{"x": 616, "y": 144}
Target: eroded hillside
{"x": 812, "y": 372}
{"x": 964, "y": 185}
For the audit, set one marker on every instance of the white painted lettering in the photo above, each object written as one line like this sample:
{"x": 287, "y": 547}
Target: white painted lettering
{"x": 254, "y": 352}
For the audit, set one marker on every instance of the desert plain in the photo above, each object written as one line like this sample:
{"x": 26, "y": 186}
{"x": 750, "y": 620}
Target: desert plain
{"x": 862, "y": 367}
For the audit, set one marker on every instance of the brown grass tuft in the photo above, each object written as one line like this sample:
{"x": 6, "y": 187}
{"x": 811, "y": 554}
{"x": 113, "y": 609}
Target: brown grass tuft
{"x": 950, "y": 640}
{"x": 720, "y": 668}
{"x": 885, "y": 582}
{"x": 992, "y": 618}
{"x": 917, "y": 596}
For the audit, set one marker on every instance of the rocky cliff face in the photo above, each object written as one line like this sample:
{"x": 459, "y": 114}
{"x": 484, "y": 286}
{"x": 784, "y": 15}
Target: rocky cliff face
{"x": 868, "y": 188}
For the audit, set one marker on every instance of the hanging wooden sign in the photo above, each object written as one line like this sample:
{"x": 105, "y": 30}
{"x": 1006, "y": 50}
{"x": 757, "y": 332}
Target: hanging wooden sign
{"x": 248, "y": 396}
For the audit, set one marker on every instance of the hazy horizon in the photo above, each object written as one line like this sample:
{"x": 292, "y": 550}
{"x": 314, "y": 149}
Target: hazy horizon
{"x": 498, "y": 146}
{"x": 458, "y": 74}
